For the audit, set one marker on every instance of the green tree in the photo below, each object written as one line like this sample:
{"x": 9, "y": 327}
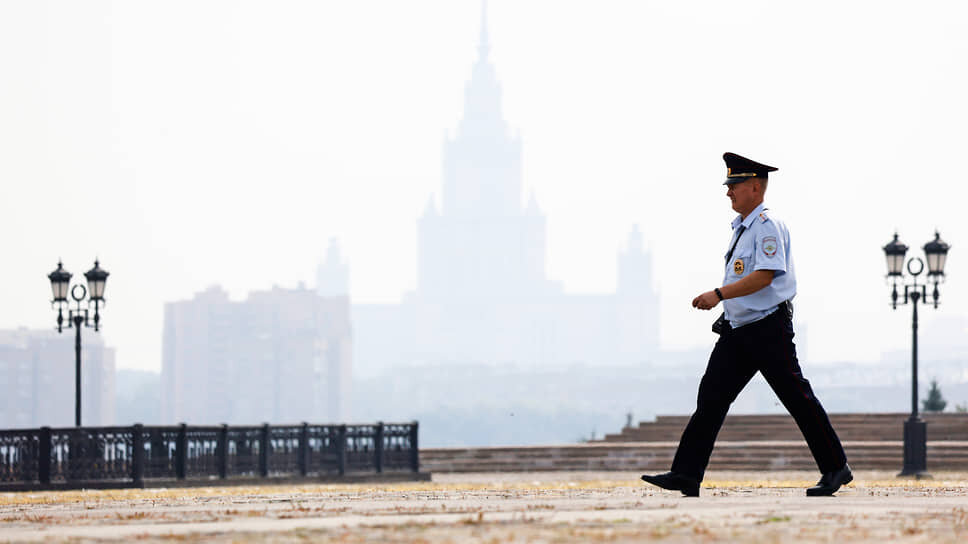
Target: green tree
{"x": 935, "y": 402}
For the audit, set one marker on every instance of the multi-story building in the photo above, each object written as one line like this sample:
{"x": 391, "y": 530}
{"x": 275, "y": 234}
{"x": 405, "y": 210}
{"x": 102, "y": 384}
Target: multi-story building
{"x": 37, "y": 379}
{"x": 280, "y": 356}
{"x": 482, "y": 294}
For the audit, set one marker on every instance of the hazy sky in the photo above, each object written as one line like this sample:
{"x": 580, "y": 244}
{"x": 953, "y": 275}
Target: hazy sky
{"x": 201, "y": 142}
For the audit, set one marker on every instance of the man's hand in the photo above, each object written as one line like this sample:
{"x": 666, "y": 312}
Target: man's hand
{"x": 706, "y": 301}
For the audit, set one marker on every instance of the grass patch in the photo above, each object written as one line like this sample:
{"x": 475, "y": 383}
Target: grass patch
{"x": 773, "y": 519}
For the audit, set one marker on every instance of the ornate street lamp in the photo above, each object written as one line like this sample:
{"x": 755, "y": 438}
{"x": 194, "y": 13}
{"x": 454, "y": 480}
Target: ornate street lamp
{"x": 915, "y": 430}
{"x": 77, "y": 317}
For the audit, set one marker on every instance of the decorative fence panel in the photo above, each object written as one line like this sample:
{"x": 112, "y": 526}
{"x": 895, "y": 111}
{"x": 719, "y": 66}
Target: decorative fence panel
{"x": 128, "y": 456}
{"x": 91, "y": 454}
{"x": 245, "y": 449}
{"x": 160, "y": 444}
{"x": 201, "y": 449}
{"x": 18, "y": 455}
{"x": 360, "y": 447}
{"x": 326, "y": 452}
{"x": 399, "y": 443}
{"x": 287, "y": 450}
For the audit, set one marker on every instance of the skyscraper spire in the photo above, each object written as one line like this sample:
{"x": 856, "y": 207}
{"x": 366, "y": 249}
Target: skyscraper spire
{"x": 484, "y": 48}
{"x": 333, "y": 275}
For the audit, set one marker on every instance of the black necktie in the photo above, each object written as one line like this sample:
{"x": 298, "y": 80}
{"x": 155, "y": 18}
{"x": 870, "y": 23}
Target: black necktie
{"x": 738, "y": 235}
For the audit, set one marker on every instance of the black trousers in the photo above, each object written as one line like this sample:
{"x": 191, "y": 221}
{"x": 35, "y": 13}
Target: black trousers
{"x": 764, "y": 346}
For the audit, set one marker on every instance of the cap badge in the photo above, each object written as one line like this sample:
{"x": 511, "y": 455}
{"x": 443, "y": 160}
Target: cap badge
{"x": 738, "y": 267}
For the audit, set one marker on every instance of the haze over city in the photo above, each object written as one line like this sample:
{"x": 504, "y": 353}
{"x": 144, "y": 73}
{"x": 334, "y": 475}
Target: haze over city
{"x": 433, "y": 270}
{"x": 187, "y": 144}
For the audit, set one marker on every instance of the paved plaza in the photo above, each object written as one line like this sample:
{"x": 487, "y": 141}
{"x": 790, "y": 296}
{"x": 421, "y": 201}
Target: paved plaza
{"x": 505, "y": 507}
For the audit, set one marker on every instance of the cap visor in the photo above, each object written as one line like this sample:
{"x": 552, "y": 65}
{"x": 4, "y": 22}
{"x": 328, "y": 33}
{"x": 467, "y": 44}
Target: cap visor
{"x": 734, "y": 181}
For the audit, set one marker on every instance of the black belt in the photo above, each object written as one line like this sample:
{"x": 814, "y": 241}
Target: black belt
{"x": 784, "y": 309}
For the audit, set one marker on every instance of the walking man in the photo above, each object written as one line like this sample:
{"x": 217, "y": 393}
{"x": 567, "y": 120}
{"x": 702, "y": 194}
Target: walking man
{"x": 756, "y": 335}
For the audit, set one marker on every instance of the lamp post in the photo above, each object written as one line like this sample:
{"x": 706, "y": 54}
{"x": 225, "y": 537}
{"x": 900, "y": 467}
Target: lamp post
{"x": 936, "y": 251}
{"x": 77, "y": 317}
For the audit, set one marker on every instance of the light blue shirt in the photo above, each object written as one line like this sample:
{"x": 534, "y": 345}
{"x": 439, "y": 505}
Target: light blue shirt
{"x": 763, "y": 245}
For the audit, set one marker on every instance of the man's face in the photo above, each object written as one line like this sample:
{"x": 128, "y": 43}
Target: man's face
{"x": 743, "y": 196}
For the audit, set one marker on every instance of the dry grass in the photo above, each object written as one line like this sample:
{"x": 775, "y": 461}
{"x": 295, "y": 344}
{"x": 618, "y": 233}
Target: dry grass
{"x": 539, "y": 482}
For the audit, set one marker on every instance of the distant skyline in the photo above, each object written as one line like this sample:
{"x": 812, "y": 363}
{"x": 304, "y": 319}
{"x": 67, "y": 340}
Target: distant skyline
{"x": 483, "y": 295}
{"x": 187, "y": 144}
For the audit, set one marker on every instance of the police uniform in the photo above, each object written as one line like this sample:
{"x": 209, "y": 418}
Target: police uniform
{"x": 757, "y": 336}
{"x": 760, "y": 242}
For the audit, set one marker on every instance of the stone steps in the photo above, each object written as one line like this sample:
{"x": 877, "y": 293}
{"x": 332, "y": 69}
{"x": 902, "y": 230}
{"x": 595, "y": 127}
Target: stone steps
{"x": 850, "y": 427}
{"x": 746, "y": 442}
{"x": 657, "y": 456}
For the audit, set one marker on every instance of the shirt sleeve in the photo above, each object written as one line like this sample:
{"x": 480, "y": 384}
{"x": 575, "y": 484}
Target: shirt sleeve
{"x": 769, "y": 248}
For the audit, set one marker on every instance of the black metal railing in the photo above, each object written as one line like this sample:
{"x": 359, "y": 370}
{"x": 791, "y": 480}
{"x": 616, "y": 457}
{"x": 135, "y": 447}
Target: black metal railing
{"x": 129, "y": 456}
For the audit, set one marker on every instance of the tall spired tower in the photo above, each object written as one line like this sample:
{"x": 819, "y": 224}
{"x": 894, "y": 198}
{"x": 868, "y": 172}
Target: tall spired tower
{"x": 482, "y": 240}
{"x": 482, "y": 293}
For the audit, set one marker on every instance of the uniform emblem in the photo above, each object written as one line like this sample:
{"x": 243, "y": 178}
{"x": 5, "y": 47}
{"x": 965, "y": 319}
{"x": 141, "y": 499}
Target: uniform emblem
{"x": 738, "y": 267}
{"x": 769, "y": 246}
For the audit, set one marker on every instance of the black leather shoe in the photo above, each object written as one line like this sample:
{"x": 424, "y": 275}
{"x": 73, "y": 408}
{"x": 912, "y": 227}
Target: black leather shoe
{"x": 674, "y": 482}
{"x": 830, "y": 482}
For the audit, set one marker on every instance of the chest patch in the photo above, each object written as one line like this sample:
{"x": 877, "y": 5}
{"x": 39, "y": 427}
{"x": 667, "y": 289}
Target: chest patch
{"x": 738, "y": 267}
{"x": 769, "y": 246}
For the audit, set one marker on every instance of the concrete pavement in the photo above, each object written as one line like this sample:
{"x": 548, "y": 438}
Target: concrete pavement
{"x": 497, "y": 507}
